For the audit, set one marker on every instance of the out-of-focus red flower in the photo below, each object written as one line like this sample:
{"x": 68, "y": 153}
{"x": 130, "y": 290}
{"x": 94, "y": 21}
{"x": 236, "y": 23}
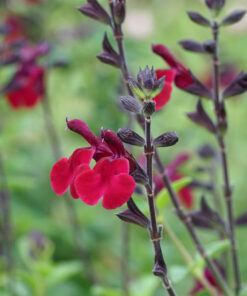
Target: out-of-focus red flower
{"x": 33, "y": 1}
{"x": 109, "y": 178}
{"x": 210, "y": 278}
{"x": 15, "y": 30}
{"x": 186, "y": 193}
{"x": 183, "y": 78}
{"x": 27, "y": 86}
{"x": 227, "y": 74}
{"x": 164, "y": 96}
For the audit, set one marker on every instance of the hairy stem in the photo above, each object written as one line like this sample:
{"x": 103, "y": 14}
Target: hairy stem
{"x": 155, "y": 233}
{"x": 56, "y": 148}
{"x": 224, "y": 161}
{"x": 175, "y": 200}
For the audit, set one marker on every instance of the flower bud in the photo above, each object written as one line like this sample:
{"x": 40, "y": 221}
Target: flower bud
{"x": 206, "y": 152}
{"x": 148, "y": 108}
{"x": 166, "y": 139}
{"x": 119, "y": 9}
{"x": 130, "y": 137}
{"x": 198, "y": 18}
{"x": 237, "y": 86}
{"x": 130, "y": 104}
{"x": 215, "y": 5}
{"x": 233, "y": 18}
{"x": 147, "y": 85}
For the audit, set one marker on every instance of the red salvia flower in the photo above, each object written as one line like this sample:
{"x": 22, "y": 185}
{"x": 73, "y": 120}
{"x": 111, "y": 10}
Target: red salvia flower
{"x": 211, "y": 280}
{"x": 26, "y": 87}
{"x": 183, "y": 78}
{"x": 15, "y": 29}
{"x": 186, "y": 193}
{"x": 164, "y": 96}
{"x": 109, "y": 178}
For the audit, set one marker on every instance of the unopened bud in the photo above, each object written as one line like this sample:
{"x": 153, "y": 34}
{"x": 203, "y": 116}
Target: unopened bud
{"x": 215, "y": 5}
{"x": 119, "y": 9}
{"x": 130, "y": 137}
{"x": 130, "y": 104}
{"x": 206, "y": 152}
{"x": 166, "y": 139}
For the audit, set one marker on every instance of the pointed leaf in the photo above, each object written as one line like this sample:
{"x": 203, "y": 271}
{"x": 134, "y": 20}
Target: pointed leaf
{"x": 201, "y": 118}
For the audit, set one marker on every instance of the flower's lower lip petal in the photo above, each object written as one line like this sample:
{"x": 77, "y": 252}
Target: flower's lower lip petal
{"x": 61, "y": 176}
{"x": 118, "y": 191}
{"x": 168, "y": 73}
{"x": 89, "y": 187}
{"x": 163, "y": 97}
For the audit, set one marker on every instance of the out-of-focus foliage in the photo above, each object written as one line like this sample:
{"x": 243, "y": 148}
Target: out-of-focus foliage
{"x": 88, "y": 90}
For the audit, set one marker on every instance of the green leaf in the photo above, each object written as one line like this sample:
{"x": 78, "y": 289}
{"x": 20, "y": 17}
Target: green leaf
{"x": 203, "y": 293}
{"x": 163, "y": 198}
{"x": 178, "y": 273}
{"x": 145, "y": 286}
{"x": 243, "y": 292}
{"x": 63, "y": 271}
{"x": 213, "y": 250}
{"x": 101, "y": 291}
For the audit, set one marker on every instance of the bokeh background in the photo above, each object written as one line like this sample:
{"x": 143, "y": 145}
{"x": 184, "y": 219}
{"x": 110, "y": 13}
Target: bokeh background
{"x": 87, "y": 89}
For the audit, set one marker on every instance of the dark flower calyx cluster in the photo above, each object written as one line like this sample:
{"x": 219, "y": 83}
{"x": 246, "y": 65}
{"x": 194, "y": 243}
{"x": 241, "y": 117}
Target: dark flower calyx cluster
{"x": 147, "y": 85}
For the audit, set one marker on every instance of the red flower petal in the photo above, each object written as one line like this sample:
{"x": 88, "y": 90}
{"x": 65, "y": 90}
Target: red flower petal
{"x": 81, "y": 156}
{"x": 183, "y": 79}
{"x": 89, "y": 187}
{"x": 82, "y": 129}
{"x": 118, "y": 191}
{"x": 61, "y": 176}
{"x": 169, "y": 74}
{"x": 113, "y": 142}
{"x": 164, "y": 52}
{"x": 164, "y": 96}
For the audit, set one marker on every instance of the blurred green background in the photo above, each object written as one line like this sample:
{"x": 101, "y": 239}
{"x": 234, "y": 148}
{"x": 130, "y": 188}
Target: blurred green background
{"x": 87, "y": 89}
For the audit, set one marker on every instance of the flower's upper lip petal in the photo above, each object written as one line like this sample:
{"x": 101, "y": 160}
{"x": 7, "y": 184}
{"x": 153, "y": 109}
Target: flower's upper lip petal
{"x": 81, "y": 128}
{"x": 113, "y": 142}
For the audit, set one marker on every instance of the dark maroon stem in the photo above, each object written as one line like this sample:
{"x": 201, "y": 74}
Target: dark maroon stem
{"x": 155, "y": 233}
{"x": 225, "y": 169}
{"x": 56, "y": 148}
{"x": 179, "y": 210}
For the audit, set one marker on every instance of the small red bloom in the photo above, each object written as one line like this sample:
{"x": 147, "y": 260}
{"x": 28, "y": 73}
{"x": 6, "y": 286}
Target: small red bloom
{"x": 15, "y": 29}
{"x": 210, "y": 278}
{"x": 186, "y": 193}
{"x": 183, "y": 78}
{"x": 33, "y": 1}
{"x": 26, "y": 87}
{"x": 109, "y": 178}
{"x": 164, "y": 96}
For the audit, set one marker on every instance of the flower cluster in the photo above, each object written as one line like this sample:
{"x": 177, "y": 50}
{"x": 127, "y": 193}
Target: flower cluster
{"x": 110, "y": 177}
{"x": 27, "y": 86}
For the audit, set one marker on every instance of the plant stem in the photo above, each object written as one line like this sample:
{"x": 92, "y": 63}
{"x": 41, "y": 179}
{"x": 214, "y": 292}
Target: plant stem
{"x": 174, "y": 198}
{"x": 6, "y": 225}
{"x": 188, "y": 259}
{"x": 155, "y": 233}
{"x": 225, "y": 169}
{"x": 56, "y": 148}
